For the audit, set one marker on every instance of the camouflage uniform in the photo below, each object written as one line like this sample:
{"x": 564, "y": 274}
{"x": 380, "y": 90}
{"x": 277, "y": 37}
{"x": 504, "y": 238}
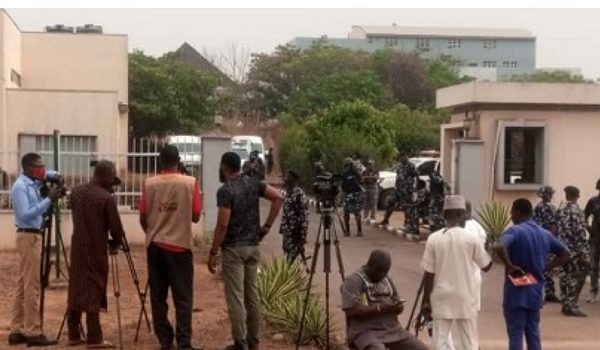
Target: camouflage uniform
{"x": 294, "y": 223}
{"x": 571, "y": 231}
{"x": 370, "y": 193}
{"x": 353, "y": 199}
{"x": 405, "y": 187}
{"x": 413, "y": 213}
{"x": 436, "y": 202}
{"x": 545, "y": 215}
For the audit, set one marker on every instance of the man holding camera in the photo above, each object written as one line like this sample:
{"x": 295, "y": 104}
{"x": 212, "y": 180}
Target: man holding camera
{"x": 95, "y": 215}
{"x": 29, "y": 209}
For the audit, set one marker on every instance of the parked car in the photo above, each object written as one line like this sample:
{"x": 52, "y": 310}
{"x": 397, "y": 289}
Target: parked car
{"x": 387, "y": 178}
{"x": 190, "y": 151}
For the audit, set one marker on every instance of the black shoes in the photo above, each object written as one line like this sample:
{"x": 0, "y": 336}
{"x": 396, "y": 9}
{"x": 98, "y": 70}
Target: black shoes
{"x": 573, "y": 313}
{"x": 40, "y": 340}
{"x": 551, "y": 298}
{"x": 16, "y": 339}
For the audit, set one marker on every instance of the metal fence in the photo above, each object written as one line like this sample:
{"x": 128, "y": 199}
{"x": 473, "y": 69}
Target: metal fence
{"x": 75, "y": 163}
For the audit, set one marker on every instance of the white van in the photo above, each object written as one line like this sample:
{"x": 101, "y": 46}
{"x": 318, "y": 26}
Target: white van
{"x": 250, "y": 143}
{"x": 189, "y": 147}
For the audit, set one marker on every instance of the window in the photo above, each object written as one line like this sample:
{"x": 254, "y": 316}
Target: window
{"x": 513, "y": 64}
{"x": 454, "y": 43}
{"x": 423, "y": 44}
{"x": 76, "y": 151}
{"x": 489, "y": 64}
{"x": 472, "y": 64}
{"x": 15, "y": 77}
{"x": 389, "y": 42}
{"x": 521, "y": 161}
{"x": 427, "y": 167}
{"x": 489, "y": 44}
{"x": 505, "y": 64}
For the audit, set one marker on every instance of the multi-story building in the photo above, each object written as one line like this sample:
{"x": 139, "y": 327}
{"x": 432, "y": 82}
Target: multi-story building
{"x": 74, "y": 80}
{"x": 484, "y": 53}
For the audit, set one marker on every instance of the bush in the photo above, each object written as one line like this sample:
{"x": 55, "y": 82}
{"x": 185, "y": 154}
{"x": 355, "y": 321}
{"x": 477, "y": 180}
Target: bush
{"x": 282, "y": 288}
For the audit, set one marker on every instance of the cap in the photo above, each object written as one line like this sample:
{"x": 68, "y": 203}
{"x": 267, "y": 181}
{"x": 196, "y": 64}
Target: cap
{"x": 456, "y": 202}
{"x": 545, "y": 191}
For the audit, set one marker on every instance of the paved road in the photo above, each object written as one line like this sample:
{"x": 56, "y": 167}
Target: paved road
{"x": 558, "y": 332}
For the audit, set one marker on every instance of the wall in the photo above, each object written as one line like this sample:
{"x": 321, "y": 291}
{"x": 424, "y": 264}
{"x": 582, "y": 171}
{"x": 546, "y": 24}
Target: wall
{"x": 71, "y": 112}
{"x": 10, "y": 58}
{"x": 572, "y": 152}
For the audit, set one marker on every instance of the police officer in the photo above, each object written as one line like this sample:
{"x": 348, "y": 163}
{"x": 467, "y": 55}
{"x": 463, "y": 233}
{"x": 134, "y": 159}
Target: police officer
{"x": 437, "y": 192}
{"x": 592, "y": 209}
{"x": 405, "y": 187}
{"x": 353, "y": 196}
{"x": 254, "y": 167}
{"x": 571, "y": 231}
{"x": 369, "y": 180}
{"x": 414, "y": 211}
{"x": 544, "y": 215}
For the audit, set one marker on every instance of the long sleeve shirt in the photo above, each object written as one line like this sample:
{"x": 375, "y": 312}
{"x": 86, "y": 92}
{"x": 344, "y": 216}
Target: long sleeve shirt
{"x": 27, "y": 202}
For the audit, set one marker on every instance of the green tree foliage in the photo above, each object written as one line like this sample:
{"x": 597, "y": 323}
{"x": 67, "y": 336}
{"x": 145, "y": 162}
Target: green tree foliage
{"x": 167, "y": 96}
{"x": 407, "y": 76}
{"x": 557, "y": 76}
{"x": 416, "y": 130}
{"x": 443, "y": 72}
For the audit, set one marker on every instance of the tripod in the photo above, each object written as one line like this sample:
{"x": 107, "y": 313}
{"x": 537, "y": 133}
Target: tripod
{"x": 326, "y": 233}
{"x": 114, "y": 269}
{"x": 142, "y": 295}
{"x": 421, "y": 320}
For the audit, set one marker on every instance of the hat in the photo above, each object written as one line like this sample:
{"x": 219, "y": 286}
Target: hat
{"x": 545, "y": 191}
{"x": 455, "y": 202}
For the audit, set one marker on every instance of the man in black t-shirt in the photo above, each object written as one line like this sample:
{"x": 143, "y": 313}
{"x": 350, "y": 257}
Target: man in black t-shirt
{"x": 238, "y": 233}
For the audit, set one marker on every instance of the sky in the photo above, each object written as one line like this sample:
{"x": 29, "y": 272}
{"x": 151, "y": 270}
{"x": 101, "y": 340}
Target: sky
{"x": 567, "y": 38}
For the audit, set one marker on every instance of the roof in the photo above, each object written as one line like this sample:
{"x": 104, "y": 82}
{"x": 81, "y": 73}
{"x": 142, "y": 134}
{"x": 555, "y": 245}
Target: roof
{"x": 188, "y": 54}
{"x": 480, "y": 93}
{"x": 446, "y": 32}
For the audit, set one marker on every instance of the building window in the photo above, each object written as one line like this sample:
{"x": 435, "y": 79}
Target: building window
{"x": 489, "y": 64}
{"x": 513, "y": 64}
{"x": 454, "y": 43}
{"x": 76, "y": 151}
{"x": 521, "y": 161}
{"x": 423, "y": 44}
{"x": 391, "y": 42}
{"x": 15, "y": 77}
{"x": 489, "y": 44}
{"x": 473, "y": 64}
{"x": 505, "y": 64}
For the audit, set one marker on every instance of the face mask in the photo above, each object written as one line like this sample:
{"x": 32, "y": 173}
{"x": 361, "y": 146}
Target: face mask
{"x": 39, "y": 173}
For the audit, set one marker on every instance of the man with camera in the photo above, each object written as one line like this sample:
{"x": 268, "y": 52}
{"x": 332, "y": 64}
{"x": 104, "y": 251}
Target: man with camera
{"x": 30, "y": 207}
{"x": 372, "y": 305}
{"x": 95, "y": 216}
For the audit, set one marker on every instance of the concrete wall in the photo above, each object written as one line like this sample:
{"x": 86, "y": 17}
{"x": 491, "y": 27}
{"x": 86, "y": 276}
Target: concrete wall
{"x": 130, "y": 220}
{"x": 572, "y": 149}
{"x": 72, "y": 112}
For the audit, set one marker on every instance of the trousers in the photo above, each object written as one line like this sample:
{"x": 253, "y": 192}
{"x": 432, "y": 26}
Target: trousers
{"x": 459, "y": 334}
{"x": 523, "y": 322}
{"x": 595, "y": 265}
{"x": 571, "y": 284}
{"x": 94, "y": 330}
{"x": 25, "y": 308}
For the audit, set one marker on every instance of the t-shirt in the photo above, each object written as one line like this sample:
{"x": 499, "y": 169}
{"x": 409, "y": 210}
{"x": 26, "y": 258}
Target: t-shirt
{"x": 592, "y": 208}
{"x": 357, "y": 289}
{"x": 528, "y": 246}
{"x": 453, "y": 255}
{"x": 242, "y": 195}
{"x": 476, "y": 229}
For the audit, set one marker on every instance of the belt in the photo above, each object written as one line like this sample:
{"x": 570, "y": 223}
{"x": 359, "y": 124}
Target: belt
{"x": 29, "y": 230}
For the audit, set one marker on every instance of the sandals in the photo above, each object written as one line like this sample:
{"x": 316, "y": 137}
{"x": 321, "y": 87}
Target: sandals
{"x": 104, "y": 345}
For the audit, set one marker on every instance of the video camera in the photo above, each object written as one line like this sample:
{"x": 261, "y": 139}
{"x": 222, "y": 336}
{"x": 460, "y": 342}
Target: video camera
{"x": 326, "y": 187}
{"x": 48, "y": 185}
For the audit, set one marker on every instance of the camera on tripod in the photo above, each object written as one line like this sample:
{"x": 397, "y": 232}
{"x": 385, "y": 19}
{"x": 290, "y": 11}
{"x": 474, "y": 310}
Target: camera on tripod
{"x": 57, "y": 183}
{"x": 326, "y": 187}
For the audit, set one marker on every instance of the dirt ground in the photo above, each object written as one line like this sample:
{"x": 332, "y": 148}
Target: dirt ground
{"x": 210, "y": 321}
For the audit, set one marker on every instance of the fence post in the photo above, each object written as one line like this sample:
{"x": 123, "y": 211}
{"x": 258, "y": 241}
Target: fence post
{"x": 57, "y": 232}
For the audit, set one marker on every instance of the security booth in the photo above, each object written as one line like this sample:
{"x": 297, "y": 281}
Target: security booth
{"x": 214, "y": 145}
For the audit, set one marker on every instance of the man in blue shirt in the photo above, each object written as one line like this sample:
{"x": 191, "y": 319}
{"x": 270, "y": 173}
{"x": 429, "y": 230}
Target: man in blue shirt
{"x": 524, "y": 248}
{"x": 29, "y": 209}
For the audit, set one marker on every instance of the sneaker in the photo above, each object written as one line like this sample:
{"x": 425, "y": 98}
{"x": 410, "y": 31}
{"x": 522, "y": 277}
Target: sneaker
{"x": 551, "y": 298}
{"x": 593, "y": 298}
{"x": 40, "y": 340}
{"x": 16, "y": 339}
{"x": 573, "y": 313}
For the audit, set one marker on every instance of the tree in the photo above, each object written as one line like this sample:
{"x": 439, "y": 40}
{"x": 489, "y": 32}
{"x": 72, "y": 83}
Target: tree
{"x": 167, "y": 96}
{"x": 407, "y": 77}
{"x": 556, "y": 76}
{"x": 416, "y": 130}
{"x": 443, "y": 72}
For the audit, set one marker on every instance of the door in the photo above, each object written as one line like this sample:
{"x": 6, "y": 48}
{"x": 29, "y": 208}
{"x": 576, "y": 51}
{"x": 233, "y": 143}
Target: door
{"x": 468, "y": 179}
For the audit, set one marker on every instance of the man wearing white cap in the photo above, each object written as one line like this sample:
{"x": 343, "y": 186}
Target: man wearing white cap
{"x": 450, "y": 288}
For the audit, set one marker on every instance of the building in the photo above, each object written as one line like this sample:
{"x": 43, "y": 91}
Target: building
{"x": 484, "y": 53}
{"x": 505, "y": 140}
{"x": 188, "y": 54}
{"x": 74, "y": 80}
